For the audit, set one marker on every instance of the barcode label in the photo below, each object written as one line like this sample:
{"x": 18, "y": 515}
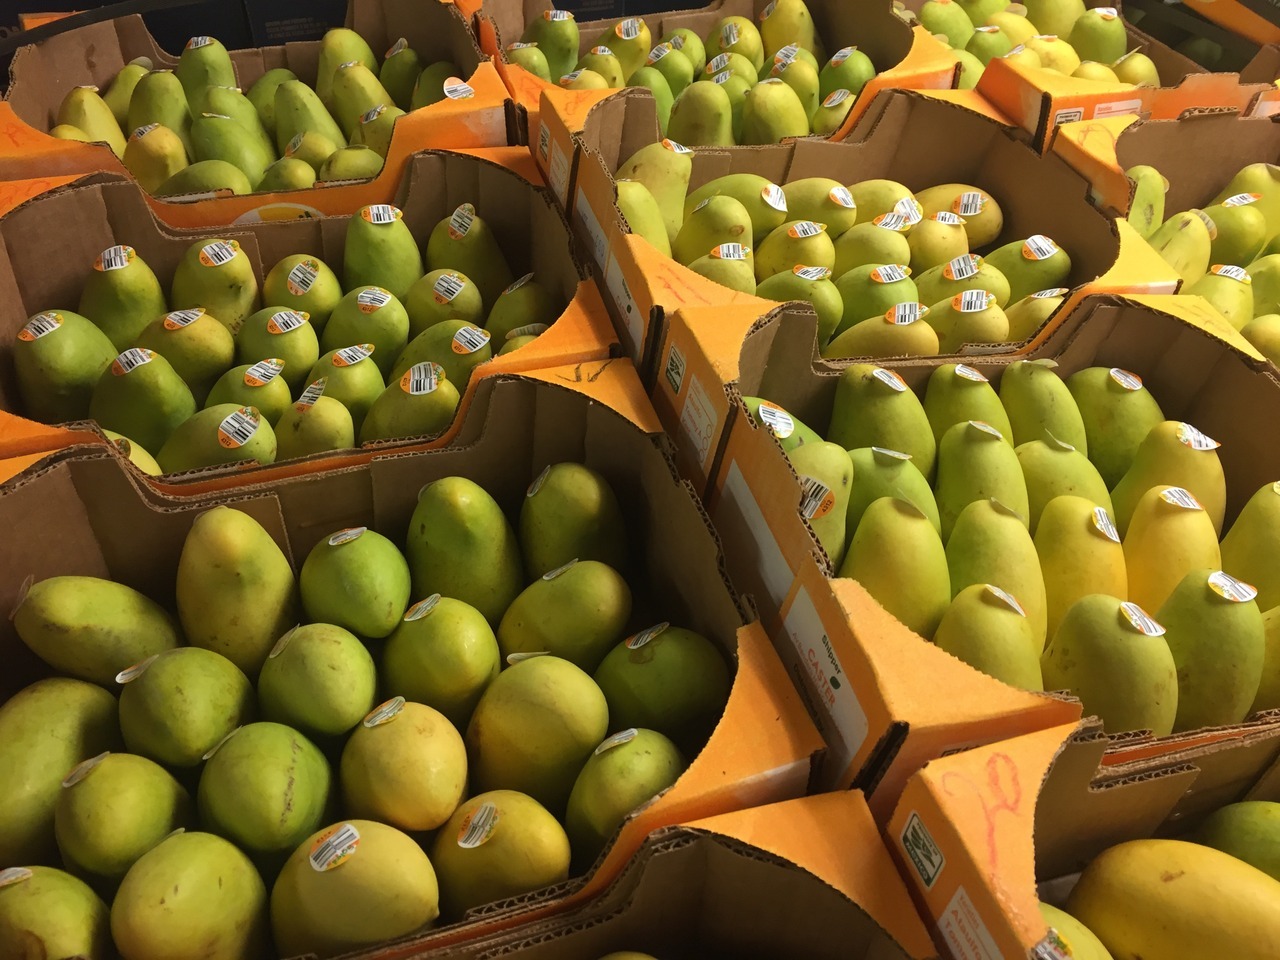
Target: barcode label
{"x": 842, "y": 197}
{"x": 1180, "y": 497}
{"x": 41, "y": 325}
{"x": 811, "y": 273}
{"x": 645, "y": 636}
{"x": 837, "y": 97}
{"x": 617, "y": 740}
{"x": 974, "y": 301}
{"x": 82, "y": 770}
{"x": 970, "y": 203}
{"x": 1050, "y": 293}
{"x": 131, "y": 360}
{"x": 1130, "y": 381}
{"x": 803, "y": 229}
{"x": 294, "y": 144}
{"x": 422, "y": 608}
{"x": 519, "y": 283}
{"x": 455, "y": 88}
{"x": 890, "y": 379}
{"x": 891, "y": 221}
{"x": 1242, "y": 199}
{"x": 373, "y": 298}
{"x": 1196, "y": 439}
{"x": 143, "y": 131}
{"x": 557, "y": 15}
{"x": 675, "y": 147}
{"x": 568, "y": 78}
{"x": 1229, "y": 588}
{"x": 334, "y": 847}
{"x": 422, "y": 378}
{"x": 350, "y": 356}
{"x": 373, "y": 113}
{"x": 195, "y": 43}
{"x": 768, "y": 10}
{"x": 400, "y": 46}
{"x": 816, "y": 499}
{"x": 380, "y": 213}
{"x": 238, "y": 428}
{"x": 1234, "y": 272}
{"x": 629, "y": 29}
{"x": 309, "y": 396}
{"x": 891, "y": 273}
{"x": 774, "y": 197}
{"x": 602, "y": 51}
{"x": 983, "y": 427}
{"x": 730, "y": 251}
{"x": 448, "y": 286}
{"x": 347, "y": 536}
{"x": 903, "y": 314}
{"x": 969, "y": 373}
{"x": 843, "y": 54}
{"x": 1006, "y": 598}
{"x": 182, "y": 318}
{"x": 461, "y": 220}
{"x": 777, "y": 420}
{"x": 263, "y": 372}
{"x": 950, "y": 219}
{"x": 885, "y": 452}
{"x": 1050, "y": 948}
{"x": 114, "y": 258}
{"x": 302, "y": 276}
{"x": 478, "y": 826}
{"x": 12, "y": 875}
{"x": 1140, "y": 620}
{"x": 1038, "y": 247}
{"x": 1103, "y": 523}
{"x": 716, "y": 64}
{"x": 132, "y": 673}
{"x": 469, "y": 339}
{"x": 218, "y": 253}
{"x": 678, "y": 41}
{"x": 658, "y": 52}
{"x": 729, "y": 35}
{"x": 961, "y": 268}
{"x": 521, "y": 45}
{"x": 910, "y": 209}
{"x": 784, "y": 57}
{"x": 384, "y": 712}
{"x": 552, "y": 574}
{"x": 284, "y": 321}
{"x": 528, "y": 330}
{"x": 723, "y": 76}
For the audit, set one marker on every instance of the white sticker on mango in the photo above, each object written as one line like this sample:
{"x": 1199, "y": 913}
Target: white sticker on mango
{"x": 905, "y": 314}
{"x": 646, "y": 636}
{"x": 350, "y": 356}
{"x": 384, "y": 713}
{"x": 962, "y": 267}
{"x": 1008, "y": 599}
{"x": 1038, "y": 247}
{"x": 1103, "y": 523}
{"x": 263, "y": 372}
{"x": 41, "y": 325}
{"x": 380, "y": 214}
{"x": 1141, "y": 621}
{"x": 422, "y": 378}
{"x": 469, "y": 340}
{"x": 282, "y": 321}
{"x": 334, "y": 847}
{"x": 817, "y": 499}
{"x": 302, "y": 277}
{"x": 1196, "y": 439}
{"x": 890, "y": 273}
{"x": 238, "y": 428}
{"x": 1229, "y": 588}
{"x": 777, "y": 420}
{"x": 1130, "y": 381}
{"x": 422, "y": 608}
{"x": 114, "y": 258}
{"x": 774, "y": 197}
{"x": 969, "y": 373}
{"x": 890, "y": 379}
{"x": 478, "y": 826}
{"x": 1180, "y": 497}
{"x": 131, "y": 360}
{"x": 617, "y": 740}
{"x": 219, "y": 252}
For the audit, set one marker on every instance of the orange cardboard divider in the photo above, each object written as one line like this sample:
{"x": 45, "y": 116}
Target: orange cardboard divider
{"x": 1237, "y": 18}
{"x": 982, "y": 836}
{"x": 863, "y": 677}
{"x": 80, "y": 512}
{"x": 907, "y": 58}
{"x": 105, "y": 210}
{"x": 41, "y": 75}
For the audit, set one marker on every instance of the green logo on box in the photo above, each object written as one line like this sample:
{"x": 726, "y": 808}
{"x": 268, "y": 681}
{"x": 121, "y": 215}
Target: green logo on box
{"x": 924, "y": 853}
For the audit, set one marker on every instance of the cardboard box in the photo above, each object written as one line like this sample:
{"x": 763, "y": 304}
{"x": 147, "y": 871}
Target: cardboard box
{"x": 897, "y": 138}
{"x": 1247, "y": 18}
{"x": 906, "y": 56}
{"x": 42, "y": 74}
{"x": 982, "y": 835}
{"x": 81, "y": 511}
{"x": 771, "y": 881}
{"x": 871, "y": 684}
{"x": 1039, "y": 100}
{"x": 43, "y": 268}
{"x": 1198, "y": 154}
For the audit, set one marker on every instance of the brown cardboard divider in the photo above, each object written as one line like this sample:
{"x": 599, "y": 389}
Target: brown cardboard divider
{"x": 897, "y": 138}
{"x": 81, "y": 512}
{"x": 47, "y": 247}
{"x": 982, "y": 835}
{"x": 41, "y": 75}
{"x": 755, "y": 506}
{"x": 808, "y": 877}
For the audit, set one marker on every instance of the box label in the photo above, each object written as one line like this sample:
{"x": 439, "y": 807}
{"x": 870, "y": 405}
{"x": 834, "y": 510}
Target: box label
{"x": 698, "y": 421}
{"x": 918, "y": 844}
{"x": 774, "y": 571}
{"x": 628, "y": 310}
{"x": 1070, "y": 115}
{"x": 558, "y": 173}
{"x": 595, "y": 232}
{"x": 675, "y": 369}
{"x": 1116, "y": 108}
{"x": 965, "y": 932}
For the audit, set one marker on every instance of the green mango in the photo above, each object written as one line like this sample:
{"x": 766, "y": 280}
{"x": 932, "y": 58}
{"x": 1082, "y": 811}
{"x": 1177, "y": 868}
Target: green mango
{"x": 83, "y": 109}
{"x": 399, "y": 73}
{"x": 813, "y": 285}
{"x": 376, "y": 128}
{"x": 369, "y": 315}
{"x": 206, "y": 176}
{"x": 420, "y": 404}
{"x": 689, "y": 44}
{"x": 457, "y": 346}
{"x": 159, "y": 98}
{"x": 258, "y": 385}
{"x": 354, "y": 93}
{"x": 299, "y": 112}
{"x": 285, "y": 175}
{"x": 975, "y": 463}
{"x": 577, "y": 611}
{"x": 153, "y": 155}
{"x": 674, "y": 67}
{"x": 55, "y": 914}
{"x": 525, "y": 305}
{"x": 528, "y": 56}
{"x": 571, "y": 513}
{"x": 879, "y": 472}
{"x": 337, "y": 47}
{"x": 849, "y": 69}
{"x": 204, "y": 62}
{"x": 352, "y": 377}
{"x": 315, "y": 424}
{"x": 380, "y": 251}
{"x": 356, "y": 579}
{"x": 141, "y": 396}
{"x": 285, "y": 335}
{"x": 716, "y": 220}
{"x": 263, "y": 96}
{"x": 987, "y": 628}
{"x": 120, "y": 92}
{"x": 218, "y": 435}
{"x": 218, "y": 276}
{"x": 197, "y": 346}
{"x": 355, "y": 162}
{"x": 222, "y": 138}
{"x": 465, "y": 242}
{"x": 874, "y": 407}
{"x": 230, "y": 102}
{"x": 429, "y": 88}
{"x": 305, "y": 283}
{"x": 826, "y": 474}
{"x": 58, "y": 358}
{"x": 556, "y": 34}
{"x": 773, "y": 112}
{"x": 702, "y": 116}
{"x": 602, "y": 61}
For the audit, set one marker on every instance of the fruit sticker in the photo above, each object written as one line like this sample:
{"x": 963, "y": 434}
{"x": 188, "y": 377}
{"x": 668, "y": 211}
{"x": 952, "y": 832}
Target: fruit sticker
{"x": 910, "y": 209}
{"x": 538, "y": 481}
{"x": 767, "y": 12}
{"x": 1103, "y": 523}
{"x": 131, "y": 360}
{"x": 803, "y": 229}
{"x": 786, "y": 56}
{"x": 552, "y": 574}
{"x": 1208, "y": 222}
{"x": 447, "y": 287}
{"x": 238, "y": 427}
{"x": 137, "y": 670}
{"x": 1195, "y": 439}
{"x": 350, "y": 356}
{"x": 514, "y": 658}
{"x": 195, "y": 43}
{"x": 658, "y": 52}
{"x": 1242, "y": 199}
{"x": 477, "y": 826}
{"x": 950, "y": 219}
{"x": 422, "y": 378}
{"x": 114, "y": 258}
{"x": 729, "y": 34}
{"x": 843, "y": 197}
{"x": 263, "y": 372}
{"x": 11, "y": 875}
{"x": 983, "y": 427}
{"x": 904, "y": 314}
{"x": 1050, "y": 293}
{"x": 516, "y": 285}
{"x": 718, "y": 63}
{"x": 730, "y": 251}
{"x": 969, "y": 204}
{"x": 208, "y": 755}
{"x": 843, "y": 54}
{"x": 421, "y": 608}
{"x": 629, "y": 29}
{"x": 41, "y": 325}
{"x": 962, "y": 267}
{"x": 283, "y": 642}
{"x": 811, "y": 273}
{"x": 372, "y": 299}
{"x": 890, "y": 379}
{"x": 1234, "y": 272}
{"x": 837, "y": 97}
{"x": 885, "y": 453}
{"x": 219, "y": 253}
{"x": 400, "y": 46}
{"x": 1130, "y": 381}
{"x": 347, "y": 535}
{"x": 310, "y": 395}
{"x": 469, "y": 340}
{"x": 82, "y": 770}
{"x": 373, "y": 113}
{"x": 384, "y": 712}
{"x": 816, "y": 498}
{"x": 143, "y": 131}
{"x": 555, "y": 16}
{"x": 380, "y": 214}
{"x": 334, "y": 847}
{"x": 723, "y": 76}
{"x": 969, "y": 373}
{"x": 1106, "y": 13}
{"x": 973, "y": 301}
{"x": 1141, "y": 621}
{"x": 1180, "y": 497}
{"x": 774, "y": 197}
{"x": 285, "y": 320}
{"x": 1008, "y": 599}
{"x": 645, "y": 636}
{"x": 617, "y": 740}
{"x": 1038, "y": 247}
{"x": 602, "y": 51}
{"x": 893, "y": 221}
{"x": 777, "y": 420}
{"x": 675, "y": 147}
{"x": 1056, "y": 444}
{"x": 302, "y": 277}
{"x": 1229, "y": 588}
